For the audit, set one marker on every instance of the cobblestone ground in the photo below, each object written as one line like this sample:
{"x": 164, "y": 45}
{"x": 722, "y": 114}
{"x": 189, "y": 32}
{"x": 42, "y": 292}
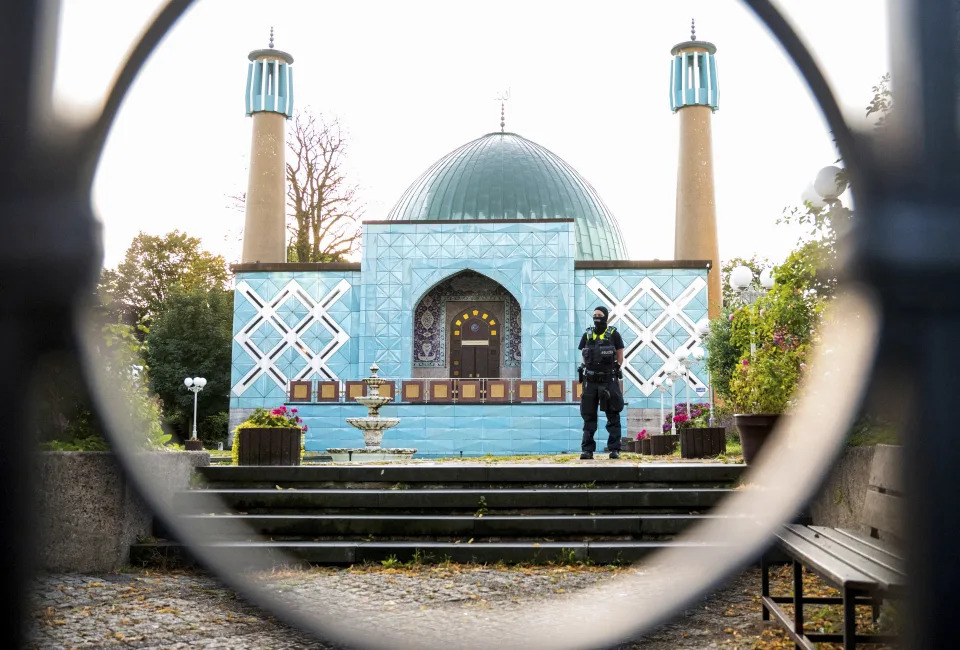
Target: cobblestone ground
{"x": 143, "y": 609}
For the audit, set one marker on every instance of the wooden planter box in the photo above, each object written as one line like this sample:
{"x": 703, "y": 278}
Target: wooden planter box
{"x": 631, "y": 446}
{"x": 705, "y": 442}
{"x": 269, "y": 446}
{"x": 661, "y": 445}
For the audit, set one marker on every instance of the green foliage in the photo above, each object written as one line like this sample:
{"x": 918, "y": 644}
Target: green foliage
{"x": 214, "y": 428}
{"x": 392, "y": 563}
{"x": 191, "y": 337}
{"x": 90, "y": 443}
{"x": 722, "y": 354}
{"x": 782, "y": 324}
{"x": 136, "y": 292}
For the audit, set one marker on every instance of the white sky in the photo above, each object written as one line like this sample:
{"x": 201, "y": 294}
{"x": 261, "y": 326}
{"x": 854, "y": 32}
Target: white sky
{"x": 413, "y": 80}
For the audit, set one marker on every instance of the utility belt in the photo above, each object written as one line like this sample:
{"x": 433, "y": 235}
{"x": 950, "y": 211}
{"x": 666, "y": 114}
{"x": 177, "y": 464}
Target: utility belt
{"x": 597, "y": 377}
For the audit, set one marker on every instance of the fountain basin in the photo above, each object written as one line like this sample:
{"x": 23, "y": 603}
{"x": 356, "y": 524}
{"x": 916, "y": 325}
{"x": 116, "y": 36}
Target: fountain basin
{"x": 364, "y": 455}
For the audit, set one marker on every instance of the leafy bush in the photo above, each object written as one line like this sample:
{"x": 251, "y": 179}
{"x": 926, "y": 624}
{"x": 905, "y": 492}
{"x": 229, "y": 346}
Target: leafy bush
{"x": 213, "y": 428}
{"x": 699, "y": 416}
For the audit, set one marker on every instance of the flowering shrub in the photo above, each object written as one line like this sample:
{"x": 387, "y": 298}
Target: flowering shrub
{"x": 782, "y": 324}
{"x": 642, "y": 435}
{"x": 278, "y": 418}
{"x": 698, "y": 419}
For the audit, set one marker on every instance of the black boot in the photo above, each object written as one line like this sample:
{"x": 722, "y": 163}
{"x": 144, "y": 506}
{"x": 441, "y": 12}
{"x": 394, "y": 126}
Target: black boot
{"x": 587, "y": 455}
{"x": 615, "y": 453}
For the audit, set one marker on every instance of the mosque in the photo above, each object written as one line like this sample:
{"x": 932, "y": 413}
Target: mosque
{"x": 472, "y": 292}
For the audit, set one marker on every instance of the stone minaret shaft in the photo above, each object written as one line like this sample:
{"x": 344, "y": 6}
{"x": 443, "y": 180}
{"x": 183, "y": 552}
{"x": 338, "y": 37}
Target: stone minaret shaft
{"x": 694, "y": 96}
{"x": 269, "y": 100}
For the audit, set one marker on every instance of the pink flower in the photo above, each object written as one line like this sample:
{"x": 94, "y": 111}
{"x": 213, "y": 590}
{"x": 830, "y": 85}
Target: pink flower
{"x": 745, "y": 362}
{"x": 731, "y": 317}
{"x": 305, "y": 428}
{"x": 293, "y": 410}
{"x": 802, "y": 365}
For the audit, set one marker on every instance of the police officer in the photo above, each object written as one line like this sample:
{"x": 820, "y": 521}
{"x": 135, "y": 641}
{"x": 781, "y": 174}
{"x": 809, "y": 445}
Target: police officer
{"x": 602, "y": 349}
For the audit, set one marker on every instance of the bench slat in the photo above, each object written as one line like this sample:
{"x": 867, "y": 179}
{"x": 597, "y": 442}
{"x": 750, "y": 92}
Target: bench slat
{"x": 879, "y": 574}
{"x": 859, "y": 545}
{"x": 882, "y": 545}
{"x": 821, "y": 562}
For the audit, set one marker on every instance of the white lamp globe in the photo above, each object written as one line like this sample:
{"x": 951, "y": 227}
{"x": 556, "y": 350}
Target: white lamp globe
{"x": 200, "y": 381}
{"x": 703, "y": 327}
{"x": 682, "y": 354}
{"x": 188, "y": 382}
{"x": 809, "y": 195}
{"x": 827, "y": 184}
{"x": 670, "y": 367}
{"x": 766, "y": 279}
{"x": 698, "y": 353}
{"x": 668, "y": 383}
{"x": 658, "y": 382}
{"x": 741, "y": 277}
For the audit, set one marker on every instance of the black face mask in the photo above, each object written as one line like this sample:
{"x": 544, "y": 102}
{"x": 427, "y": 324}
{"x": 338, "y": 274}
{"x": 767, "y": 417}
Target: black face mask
{"x": 599, "y": 323}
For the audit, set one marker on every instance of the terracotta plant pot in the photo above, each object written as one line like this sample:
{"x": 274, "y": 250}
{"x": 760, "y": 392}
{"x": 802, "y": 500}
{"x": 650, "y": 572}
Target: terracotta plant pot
{"x": 269, "y": 446}
{"x": 754, "y": 428}
{"x": 704, "y": 442}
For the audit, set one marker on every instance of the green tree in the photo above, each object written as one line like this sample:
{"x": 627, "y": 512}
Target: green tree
{"x": 782, "y": 324}
{"x": 192, "y": 337}
{"x": 135, "y": 292}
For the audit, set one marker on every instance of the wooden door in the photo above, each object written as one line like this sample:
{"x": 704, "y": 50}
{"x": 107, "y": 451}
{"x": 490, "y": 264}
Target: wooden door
{"x": 475, "y": 345}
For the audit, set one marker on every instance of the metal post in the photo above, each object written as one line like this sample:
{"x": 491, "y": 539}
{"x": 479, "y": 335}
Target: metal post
{"x": 194, "y": 390}
{"x": 662, "y": 390}
{"x": 673, "y": 405}
{"x": 686, "y": 387}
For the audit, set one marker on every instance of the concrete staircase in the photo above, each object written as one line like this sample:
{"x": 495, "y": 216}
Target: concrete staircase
{"x": 346, "y": 514}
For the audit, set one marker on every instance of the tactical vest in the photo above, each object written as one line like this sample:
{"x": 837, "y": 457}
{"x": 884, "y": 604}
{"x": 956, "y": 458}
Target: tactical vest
{"x": 599, "y": 354}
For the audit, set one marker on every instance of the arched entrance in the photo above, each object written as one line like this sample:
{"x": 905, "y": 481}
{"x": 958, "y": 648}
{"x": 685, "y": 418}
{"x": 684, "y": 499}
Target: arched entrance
{"x": 456, "y": 298}
{"x": 475, "y": 345}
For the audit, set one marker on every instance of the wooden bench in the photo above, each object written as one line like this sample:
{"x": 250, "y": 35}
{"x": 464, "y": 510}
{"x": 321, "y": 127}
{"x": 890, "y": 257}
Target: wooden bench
{"x": 866, "y": 568}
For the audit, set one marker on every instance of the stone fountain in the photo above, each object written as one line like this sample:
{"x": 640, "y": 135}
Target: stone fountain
{"x": 372, "y": 426}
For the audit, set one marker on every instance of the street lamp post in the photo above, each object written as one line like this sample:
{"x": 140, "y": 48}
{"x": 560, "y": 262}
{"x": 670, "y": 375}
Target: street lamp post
{"x": 702, "y": 331}
{"x": 662, "y": 383}
{"x": 674, "y": 372}
{"x": 683, "y": 358}
{"x": 741, "y": 281}
{"x": 194, "y": 385}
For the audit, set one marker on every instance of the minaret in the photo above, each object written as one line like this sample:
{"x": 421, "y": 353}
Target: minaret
{"x": 694, "y": 95}
{"x": 270, "y": 101}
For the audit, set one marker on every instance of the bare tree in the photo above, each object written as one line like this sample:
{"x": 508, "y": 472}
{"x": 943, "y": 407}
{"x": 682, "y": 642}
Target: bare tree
{"x": 323, "y": 213}
{"x": 326, "y": 216}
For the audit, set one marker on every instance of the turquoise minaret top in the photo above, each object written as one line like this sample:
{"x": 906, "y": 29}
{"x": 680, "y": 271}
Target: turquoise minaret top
{"x": 270, "y": 81}
{"x": 693, "y": 74}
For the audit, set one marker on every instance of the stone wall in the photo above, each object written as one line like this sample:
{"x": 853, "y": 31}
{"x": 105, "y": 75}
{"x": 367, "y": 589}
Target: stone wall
{"x": 840, "y": 499}
{"x": 89, "y": 512}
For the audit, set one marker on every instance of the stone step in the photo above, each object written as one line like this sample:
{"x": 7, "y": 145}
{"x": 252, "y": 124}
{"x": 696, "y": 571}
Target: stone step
{"x": 466, "y": 526}
{"x": 262, "y": 555}
{"x": 598, "y": 472}
{"x": 453, "y": 501}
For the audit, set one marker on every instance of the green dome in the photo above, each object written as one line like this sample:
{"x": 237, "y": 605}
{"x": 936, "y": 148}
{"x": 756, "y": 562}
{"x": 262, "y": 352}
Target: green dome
{"x": 505, "y": 176}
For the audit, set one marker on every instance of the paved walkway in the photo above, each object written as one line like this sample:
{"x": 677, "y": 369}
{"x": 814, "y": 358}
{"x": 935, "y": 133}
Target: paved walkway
{"x": 144, "y": 609}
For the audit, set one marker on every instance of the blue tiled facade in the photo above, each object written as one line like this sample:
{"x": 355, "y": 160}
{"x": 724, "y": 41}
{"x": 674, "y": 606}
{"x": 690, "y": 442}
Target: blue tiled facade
{"x": 331, "y": 325}
{"x": 437, "y": 430}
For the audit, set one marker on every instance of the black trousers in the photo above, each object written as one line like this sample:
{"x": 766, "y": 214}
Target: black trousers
{"x": 589, "y": 404}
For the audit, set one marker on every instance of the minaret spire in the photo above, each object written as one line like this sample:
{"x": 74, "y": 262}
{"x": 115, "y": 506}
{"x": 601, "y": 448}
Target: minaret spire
{"x": 693, "y": 30}
{"x": 271, "y": 37}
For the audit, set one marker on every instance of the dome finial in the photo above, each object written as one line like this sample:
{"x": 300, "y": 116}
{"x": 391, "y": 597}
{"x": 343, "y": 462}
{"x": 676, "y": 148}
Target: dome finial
{"x": 503, "y": 98}
{"x": 693, "y": 30}
{"x": 271, "y": 37}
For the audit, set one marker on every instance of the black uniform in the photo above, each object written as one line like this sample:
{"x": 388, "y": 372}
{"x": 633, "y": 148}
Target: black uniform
{"x": 601, "y": 388}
